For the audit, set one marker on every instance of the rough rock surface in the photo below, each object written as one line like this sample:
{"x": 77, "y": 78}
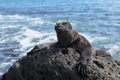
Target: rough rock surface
{"x": 50, "y": 63}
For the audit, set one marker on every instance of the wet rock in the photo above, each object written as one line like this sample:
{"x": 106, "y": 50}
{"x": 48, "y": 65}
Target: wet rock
{"x": 54, "y": 63}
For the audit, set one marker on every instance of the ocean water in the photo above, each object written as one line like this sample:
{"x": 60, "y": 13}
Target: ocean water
{"x": 26, "y": 23}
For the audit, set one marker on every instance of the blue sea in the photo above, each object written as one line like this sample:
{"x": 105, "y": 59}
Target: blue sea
{"x": 26, "y": 23}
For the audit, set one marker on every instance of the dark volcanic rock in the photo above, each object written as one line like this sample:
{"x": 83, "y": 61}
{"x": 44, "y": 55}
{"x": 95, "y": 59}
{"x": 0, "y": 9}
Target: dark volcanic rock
{"x": 50, "y": 63}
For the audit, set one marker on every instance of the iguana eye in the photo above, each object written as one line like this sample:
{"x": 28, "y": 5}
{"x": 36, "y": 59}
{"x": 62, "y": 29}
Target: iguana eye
{"x": 64, "y": 23}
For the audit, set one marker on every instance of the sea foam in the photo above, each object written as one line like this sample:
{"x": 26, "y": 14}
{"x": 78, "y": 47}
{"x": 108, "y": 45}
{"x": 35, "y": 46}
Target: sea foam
{"x": 17, "y": 38}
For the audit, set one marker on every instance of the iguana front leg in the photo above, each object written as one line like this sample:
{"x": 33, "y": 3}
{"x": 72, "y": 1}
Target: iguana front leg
{"x": 84, "y": 60}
